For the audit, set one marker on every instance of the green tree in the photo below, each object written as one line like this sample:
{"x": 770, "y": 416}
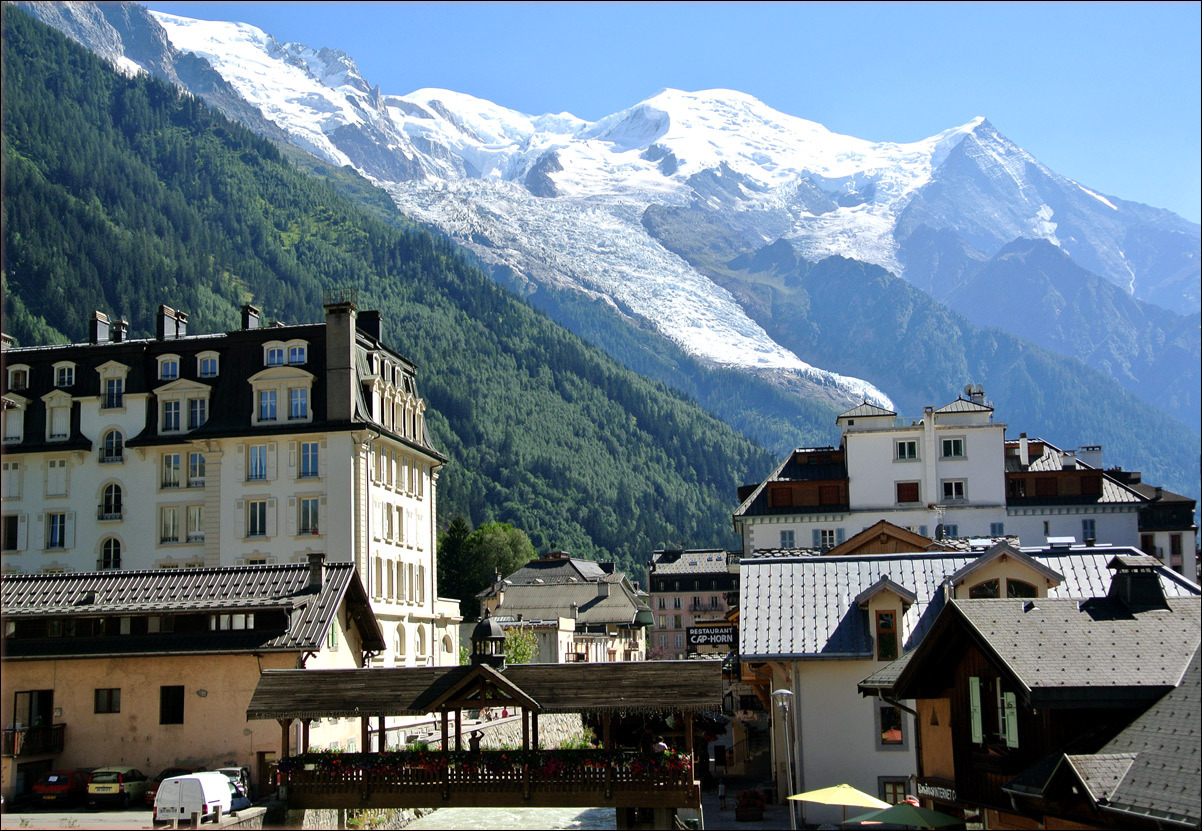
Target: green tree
{"x": 493, "y": 548}
{"x": 521, "y": 645}
{"x": 452, "y": 570}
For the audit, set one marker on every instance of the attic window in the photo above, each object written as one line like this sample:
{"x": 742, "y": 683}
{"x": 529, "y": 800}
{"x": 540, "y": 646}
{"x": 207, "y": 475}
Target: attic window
{"x": 985, "y": 590}
{"x": 886, "y": 636}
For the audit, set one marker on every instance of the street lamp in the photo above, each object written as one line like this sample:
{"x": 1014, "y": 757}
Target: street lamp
{"x": 783, "y": 697}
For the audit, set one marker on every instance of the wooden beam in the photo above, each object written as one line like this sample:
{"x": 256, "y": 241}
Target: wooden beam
{"x": 534, "y": 728}
{"x": 446, "y": 730}
{"x": 285, "y": 723}
{"x": 382, "y": 743}
{"x": 525, "y": 729}
{"x": 688, "y": 733}
{"x": 458, "y": 729}
{"x": 605, "y": 724}
{"x": 365, "y": 733}
{"x": 304, "y": 748}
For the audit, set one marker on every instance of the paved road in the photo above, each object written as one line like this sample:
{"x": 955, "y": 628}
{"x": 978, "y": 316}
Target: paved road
{"x": 79, "y": 818}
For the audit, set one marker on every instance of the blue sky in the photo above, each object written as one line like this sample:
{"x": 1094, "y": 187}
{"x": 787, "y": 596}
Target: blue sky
{"x": 1105, "y": 93}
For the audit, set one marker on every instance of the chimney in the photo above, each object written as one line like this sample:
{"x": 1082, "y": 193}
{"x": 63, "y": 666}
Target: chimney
{"x": 6, "y": 340}
{"x": 1159, "y": 492}
{"x": 1024, "y": 452}
{"x": 603, "y": 588}
{"x": 369, "y": 323}
{"x": 98, "y": 328}
{"x": 341, "y": 317}
{"x": 250, "y": 317}
{"x": 181, "y": 324}
{"x": 119, "y": 327}
{"x": 573, "y": 611}
{"x": 1091, "y": 454}
{"x": 1136, "y": 582}
{"x": 164, "y": 324}
{"x": 316, "y": 559}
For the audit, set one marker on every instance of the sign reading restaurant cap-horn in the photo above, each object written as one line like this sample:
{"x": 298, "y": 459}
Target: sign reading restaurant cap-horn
{"x": 712, "y": 635}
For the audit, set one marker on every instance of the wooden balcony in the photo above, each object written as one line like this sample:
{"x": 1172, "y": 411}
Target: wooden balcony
{"x": 500, "y": 778}
{"x": 33, "y": 741}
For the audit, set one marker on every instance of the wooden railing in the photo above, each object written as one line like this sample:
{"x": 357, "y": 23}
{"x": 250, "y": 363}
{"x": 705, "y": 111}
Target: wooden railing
{"x": 33, "y": 741}
{"x": 499, "y": 778}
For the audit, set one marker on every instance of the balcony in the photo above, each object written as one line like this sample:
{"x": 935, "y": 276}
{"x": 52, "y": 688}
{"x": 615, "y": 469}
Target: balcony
{"x": 108, "y": 457}
{"x": 108, "y": 513}
{"x": 33, "y": 741}
{"x": 112, "y": 401}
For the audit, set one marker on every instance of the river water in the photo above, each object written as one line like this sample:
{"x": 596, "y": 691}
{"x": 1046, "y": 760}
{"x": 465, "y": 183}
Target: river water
{"x": 505, "y": 819}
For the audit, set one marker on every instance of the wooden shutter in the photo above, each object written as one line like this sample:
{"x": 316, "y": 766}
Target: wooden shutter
{"x": 1010, "y": 718}
{"x": 271, "y": 462}
{"x": 271, "y": 517}
{"x": 22, "y": 532}
{"x": 240, "y": 462}
{"x": 69, "y": 530}
{"x": 974, "y": 709}
{"x": 292, "y": 512}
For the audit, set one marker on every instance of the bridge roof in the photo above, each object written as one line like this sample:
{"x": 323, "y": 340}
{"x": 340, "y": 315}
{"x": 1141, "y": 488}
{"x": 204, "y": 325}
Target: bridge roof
{"x": 635, "y": 686}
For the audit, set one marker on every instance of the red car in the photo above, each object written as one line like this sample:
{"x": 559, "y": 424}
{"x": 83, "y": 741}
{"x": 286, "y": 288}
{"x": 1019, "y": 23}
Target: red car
{"x": 167, "y": 773}
{"x": 62, "y": 787}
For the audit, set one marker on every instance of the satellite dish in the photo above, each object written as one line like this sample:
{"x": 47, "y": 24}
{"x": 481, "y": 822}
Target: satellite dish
{"x": 968, "y": 389}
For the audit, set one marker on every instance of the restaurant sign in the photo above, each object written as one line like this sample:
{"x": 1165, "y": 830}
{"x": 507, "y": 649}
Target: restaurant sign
{"x": 932, "y": 791}
{"x": 712, "y": 636}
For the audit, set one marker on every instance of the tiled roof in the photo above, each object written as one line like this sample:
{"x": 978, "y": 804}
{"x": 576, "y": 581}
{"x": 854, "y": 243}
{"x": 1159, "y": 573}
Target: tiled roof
{"x": 690, "y": 562}
{"x": 1101, "y": 773}
{"x": 963, "y": 405}
{"x": 546, "y": 602}
{"x": 161, "y": 591}
{"x": 563, "y": 570}
{"x": 804, "y": 606}
{"x": 1166, "y": 742}
{"x": 866, "y": 410}
{"x": 1069, "y": 644}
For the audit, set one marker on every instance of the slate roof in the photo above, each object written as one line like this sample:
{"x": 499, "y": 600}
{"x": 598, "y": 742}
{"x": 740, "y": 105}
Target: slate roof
{"x": 544, "y": 602}
{"x": 1101, "y": 773}
{"x": 631, "y": 686}
{"x": 283, "y": 587}
{"x": 803, "y": 606}
{"x": 562, "y": 570}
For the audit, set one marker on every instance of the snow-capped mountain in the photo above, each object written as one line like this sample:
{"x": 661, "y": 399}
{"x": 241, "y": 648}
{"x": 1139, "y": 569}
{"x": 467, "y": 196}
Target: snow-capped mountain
{"x": 556, "y": 201}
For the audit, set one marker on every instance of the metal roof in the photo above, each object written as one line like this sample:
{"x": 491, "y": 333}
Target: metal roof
{"x": 547, "y": 601}
{"x": 963, "y": 405}
{"x": 707, "y": 561}
{"x": 866, "y": 410}
{"x": 804, "y": 607}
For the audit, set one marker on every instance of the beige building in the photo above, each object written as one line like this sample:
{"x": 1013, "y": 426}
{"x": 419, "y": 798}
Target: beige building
{"x": 156, "y": 668}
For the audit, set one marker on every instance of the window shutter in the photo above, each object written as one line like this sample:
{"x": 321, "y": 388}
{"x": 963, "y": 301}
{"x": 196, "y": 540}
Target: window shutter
{"x": 271, "y": 523}
{"x": 974, "y": 708}
{"x": 40, "y": 529}
{"x": 240, "y": 462}
{"x": 271, "y": 461}
{"x": 817, "y": 538}
{"x": 22, "y": 532}
{"x": 321, "y": 458}
{"x": 69, "y": 531}
{"x": 1010, "y": 706}
{"x": 839, "y": 536}
{"x": 292, "y": 460}
{"x": 292, "y": 515}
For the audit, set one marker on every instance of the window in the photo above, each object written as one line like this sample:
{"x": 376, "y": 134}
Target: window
{"x": 168, "y": 369}
{"x": 985, "y": 590}
{"x": 1018, "y": 588}
{"x": 953, "y": 448}
{"x": 170, "y": 416}
{"x": 267, "y": 400}
{"x": 169, "y": 525}
{"x": 1089, "y": 529}
{"x": 886, "y": 636}
{"x": 298, "y": 403}
{"x": 951, "y": 530}
{"x": 780, "y": 497}
{"x": 160, "y": 624}
{"x": 198, "y": 412}
{"x": 56, "y": 477}
{"x": 256, "y": 518}
{"x": 275, "y": 356}
{"x": 18, "y": 378}
{"x": 107, "y": 700}
{"x": 953, "y": 490}
{"x": 112, "y": 448}
{"x": 64, "y": 376}
{"x": 196, "y": 523}
{"x": 231, "y": 622}
{"x": 907, "y": 450}
{"x": 890, "y": 727}
{"x": 893, "y": 789}
{"x": 677, "y": 603}
{"x": 14, "y": 424}
{"x": 296, "y": 355}
{"x": 110, "y": 506}
{"x": 170, "y": 470}
{"x": 827, "y": 537}
{"x": 56, "y": 530}
{"x": 661, "y": 603}
{"x": 997, "y": 529}
{"x": 308, "y": 516}
{"x": 110, "y": 554}
{"x": 676, "y": 622}
{"x": 11, "y": 480}
{"x": 206, "y": 366}
{"x": 171, "y": 705}
{"x": 788, "y": 539}
{"x": 60, "y": 421}
{"x": 308, "y": 459}
{"x": 256, "y": 469}
{"x": 196, "y": 470}
{"x": 114, "y": 394}
{"x": 907, "y": 491}
{"x": 14, "y": 533}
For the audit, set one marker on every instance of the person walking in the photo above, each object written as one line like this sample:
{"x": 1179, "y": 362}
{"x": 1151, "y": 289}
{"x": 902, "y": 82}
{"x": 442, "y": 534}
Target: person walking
{"x": 721, "y": 794}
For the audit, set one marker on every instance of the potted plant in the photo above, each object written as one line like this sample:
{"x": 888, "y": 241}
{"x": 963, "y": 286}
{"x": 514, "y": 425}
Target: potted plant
{"x": 749, "y": 806}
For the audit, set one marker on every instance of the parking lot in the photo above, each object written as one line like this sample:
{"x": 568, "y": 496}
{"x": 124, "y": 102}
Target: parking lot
{"x": 78, "y": 818}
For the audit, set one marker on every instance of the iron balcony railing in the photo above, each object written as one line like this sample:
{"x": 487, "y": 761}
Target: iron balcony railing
{"x": 33, "y": 741}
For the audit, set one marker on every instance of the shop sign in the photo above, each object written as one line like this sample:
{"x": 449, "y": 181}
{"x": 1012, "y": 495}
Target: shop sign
{"x": 932, "y": 791}
{"x": 712, "y": 636}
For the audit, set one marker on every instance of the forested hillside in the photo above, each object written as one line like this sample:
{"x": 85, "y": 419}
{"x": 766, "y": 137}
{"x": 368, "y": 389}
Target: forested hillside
{"x": 120, "y": 194}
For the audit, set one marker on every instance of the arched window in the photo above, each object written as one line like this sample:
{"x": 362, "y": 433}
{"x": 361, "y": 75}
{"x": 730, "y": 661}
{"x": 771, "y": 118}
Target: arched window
{"x": 111, "y": 508}
{"x": 398, "y": 641}
{"x": 110, "y": 554}
{"x": 112, "y": 449}
{"x": 447, "y": 645}
{"x": 987, "y": 589}
{"x": 1019, "y": 588}
{"x": 419, "y": 642}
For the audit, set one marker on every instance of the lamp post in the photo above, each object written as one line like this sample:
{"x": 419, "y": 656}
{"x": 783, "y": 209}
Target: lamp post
{"x": 783, "y": 697}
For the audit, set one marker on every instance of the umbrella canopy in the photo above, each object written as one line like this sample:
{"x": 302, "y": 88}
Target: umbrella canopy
{"x": 841, "y": 795}
{"x": 904, "y": 813}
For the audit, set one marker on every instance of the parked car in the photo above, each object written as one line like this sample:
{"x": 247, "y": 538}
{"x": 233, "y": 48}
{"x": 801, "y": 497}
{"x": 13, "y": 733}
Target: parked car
{"x": 117, "y": 785}
{"x": 203, "y": 793}
{"x": 62, "y": 787}
{"x": 166, "y": 773}
{"x": 240, "y": 776}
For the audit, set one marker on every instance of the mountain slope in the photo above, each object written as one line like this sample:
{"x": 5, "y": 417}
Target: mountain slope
{"x": 122, "y": 193}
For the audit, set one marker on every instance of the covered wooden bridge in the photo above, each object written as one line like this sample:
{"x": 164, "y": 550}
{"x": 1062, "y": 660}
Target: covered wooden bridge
{"x": 532, "y": 777}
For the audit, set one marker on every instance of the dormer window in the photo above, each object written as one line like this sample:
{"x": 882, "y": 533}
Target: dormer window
{"x": 886, "y": 635}
{"x": 267, "y": 405}
{"x": 274, "y": 356}
{"x": 169, "y": 368}
{"x": 58, "y": 417}
{"x": 64, "y": 375}
{"x": 18, "y": 377}
{"x": 207, "y": 365}
{"x": 14, "y": 419}
{"x": 170, "y": 417}
{"x": 297, "y": 354}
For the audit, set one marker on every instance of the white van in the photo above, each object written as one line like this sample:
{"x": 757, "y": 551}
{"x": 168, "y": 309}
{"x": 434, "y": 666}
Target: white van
{"x": 181, "y": 796}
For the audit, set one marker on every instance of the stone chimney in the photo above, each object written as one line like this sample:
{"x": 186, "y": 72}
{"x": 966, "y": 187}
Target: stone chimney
{"x": 1136, "y": 582}
{"x": 341, "y": 318}
{"x": 181, "y": 324}
{"x": 98, "y": 328}
{"x": 250, "y": 317}
{"x": 119, "y": 328}
{"x": 603, "y": 588}
{"x": 164, "y": 323}
{"x": 1024, "y": 452}
{"x": 316, "y": 572}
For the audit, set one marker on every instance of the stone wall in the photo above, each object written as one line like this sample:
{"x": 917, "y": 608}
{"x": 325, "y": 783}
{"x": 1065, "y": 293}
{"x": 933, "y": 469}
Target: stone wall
{"x": 553, "y": 730}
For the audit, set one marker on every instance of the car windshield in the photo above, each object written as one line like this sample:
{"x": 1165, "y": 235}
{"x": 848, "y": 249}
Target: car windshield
{"x": 103, "y": 776}
{"x": 54, "y": 779}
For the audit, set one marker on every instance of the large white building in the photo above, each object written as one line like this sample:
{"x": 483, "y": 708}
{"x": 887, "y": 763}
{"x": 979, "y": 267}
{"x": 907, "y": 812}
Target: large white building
{"x": 951, "y": 473}
{"x": 256, "y": 446}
